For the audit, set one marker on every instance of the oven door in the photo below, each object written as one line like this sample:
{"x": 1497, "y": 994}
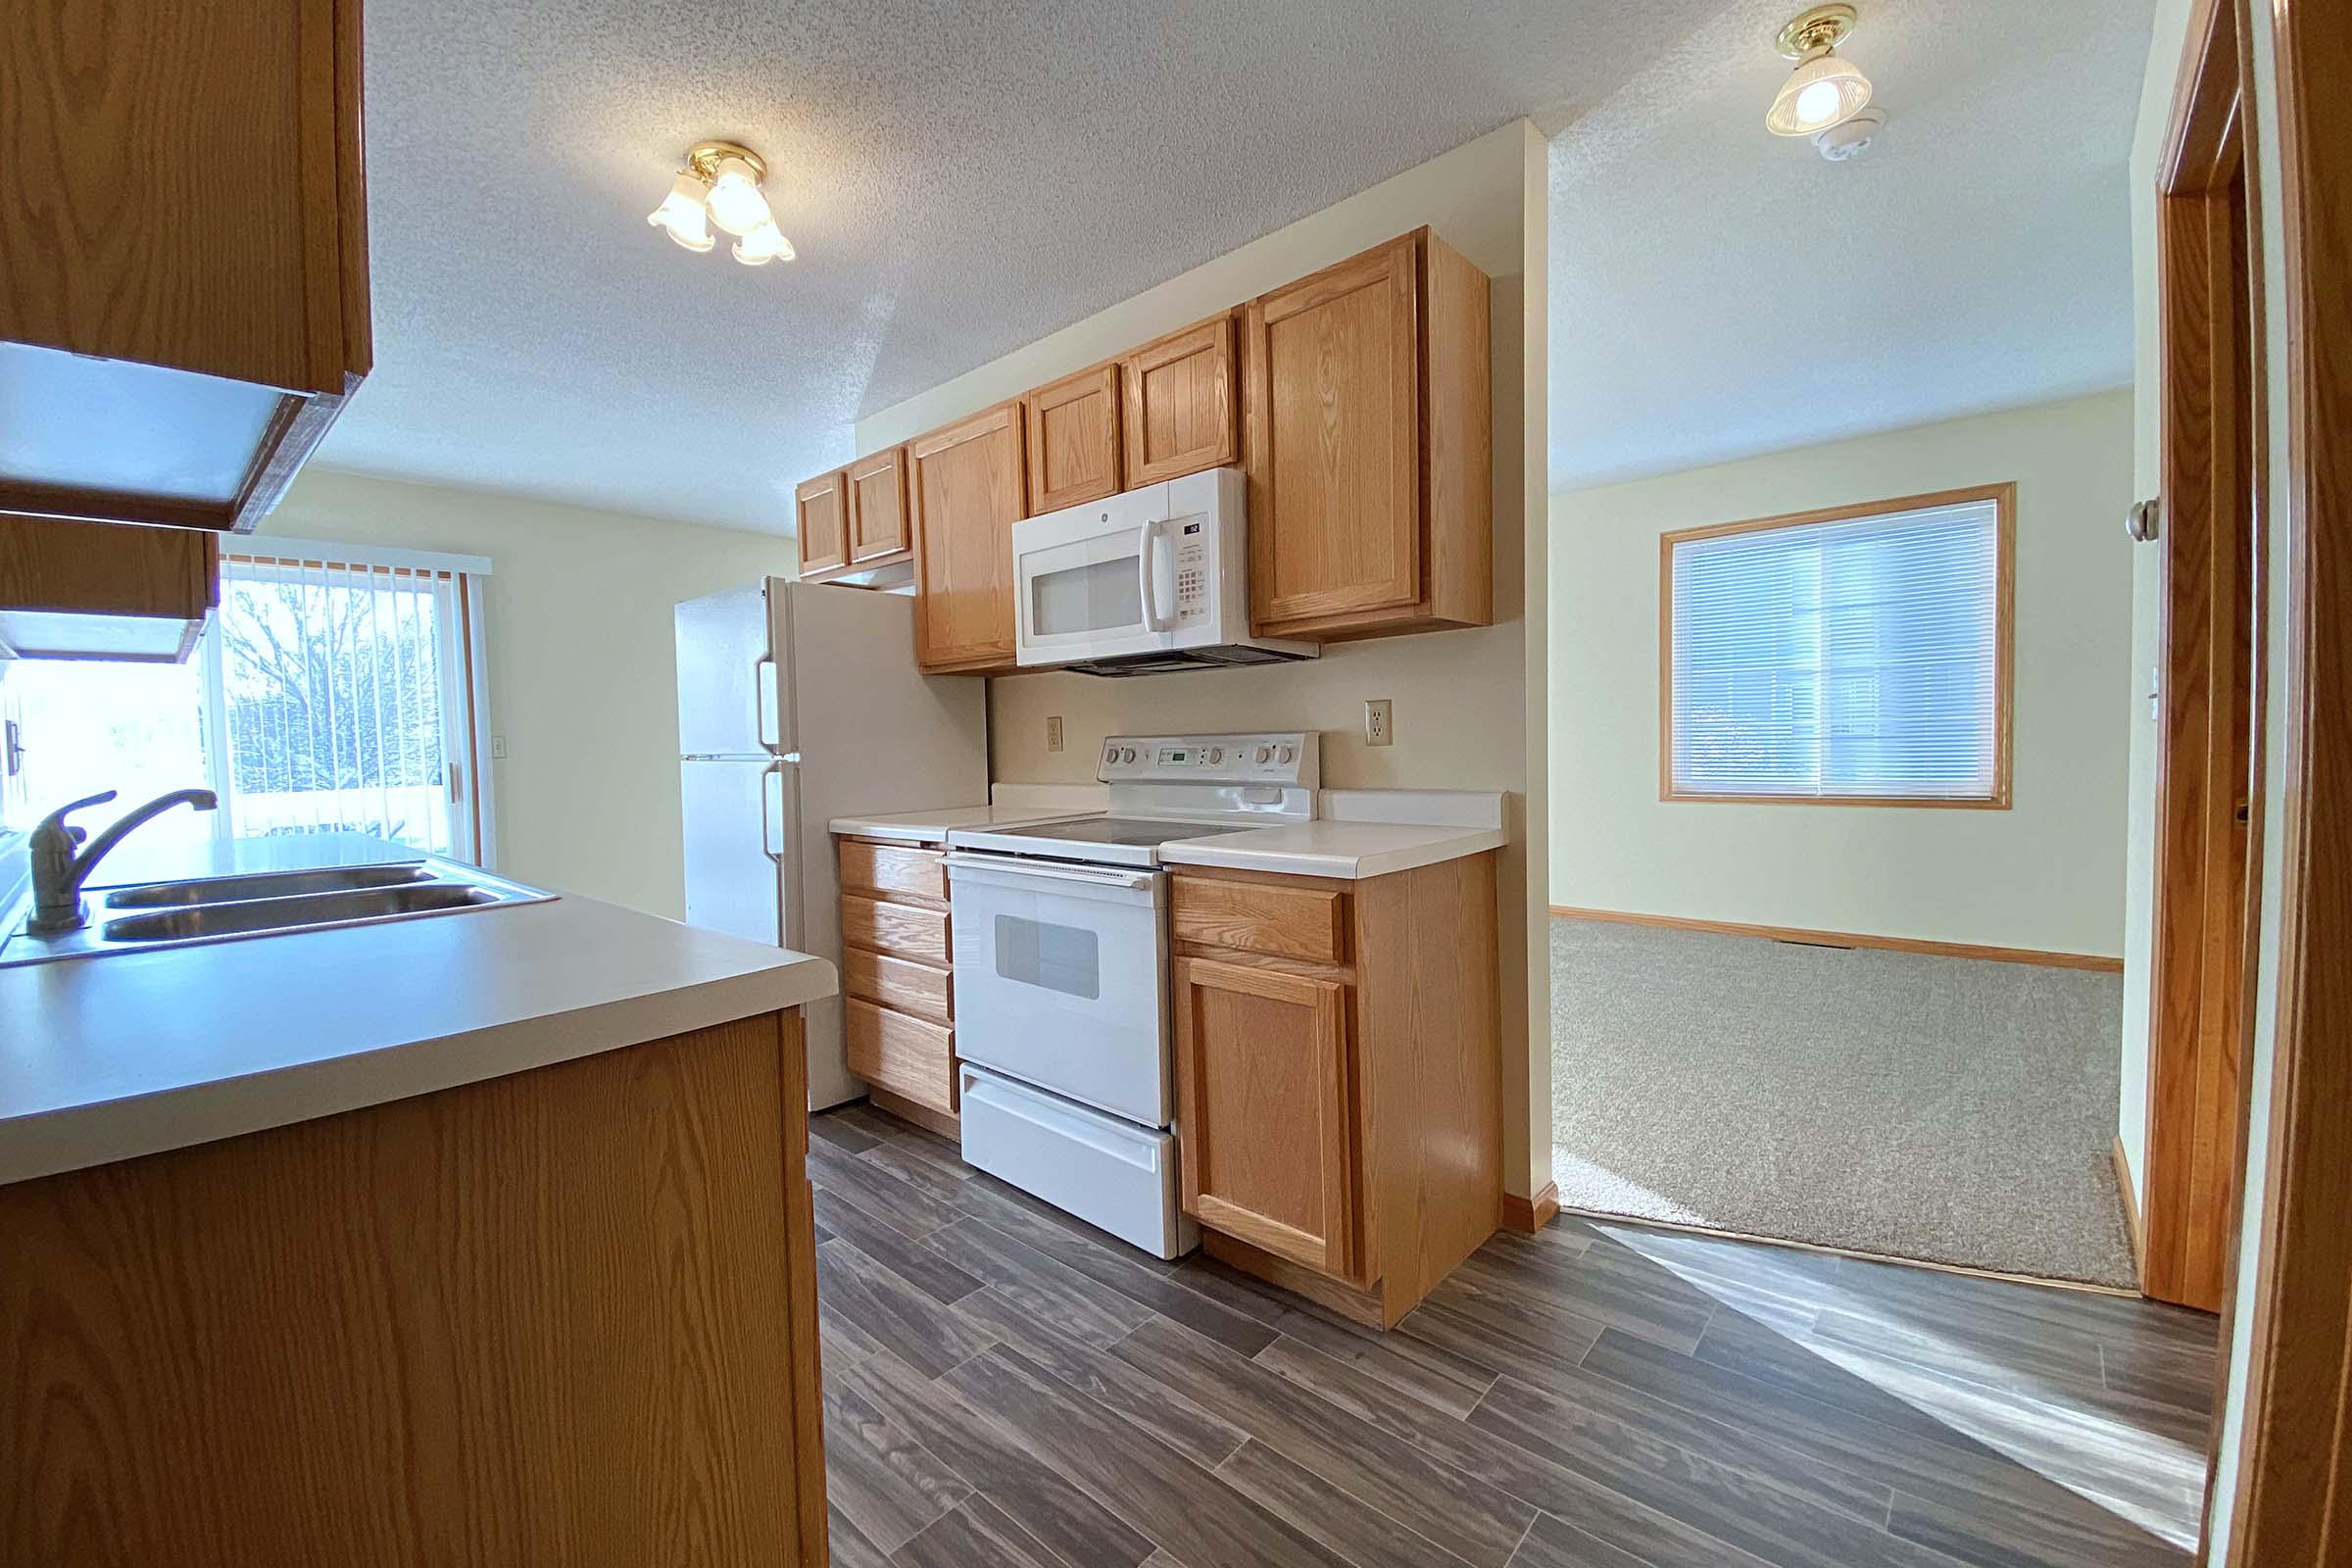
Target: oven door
{"x": 1095, "y": 581}
{"x": 1061, "y": 979}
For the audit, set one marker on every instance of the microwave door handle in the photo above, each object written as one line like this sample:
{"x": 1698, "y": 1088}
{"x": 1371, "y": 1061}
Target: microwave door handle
{"x": 1146, "y": 537}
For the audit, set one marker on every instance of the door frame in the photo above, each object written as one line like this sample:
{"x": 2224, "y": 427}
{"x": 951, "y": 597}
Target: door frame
{"x": 2208, "y": 740}
{"x": 2293, "y": 1497}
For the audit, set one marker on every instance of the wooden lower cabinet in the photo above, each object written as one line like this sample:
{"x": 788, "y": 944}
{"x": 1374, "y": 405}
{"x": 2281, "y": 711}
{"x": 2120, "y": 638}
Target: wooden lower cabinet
{"x": 1340, "y": 1122}
{"x": 1263, "y": 1106}
{"x": 566, "y": 1315}
{"x": 895, "y": 956}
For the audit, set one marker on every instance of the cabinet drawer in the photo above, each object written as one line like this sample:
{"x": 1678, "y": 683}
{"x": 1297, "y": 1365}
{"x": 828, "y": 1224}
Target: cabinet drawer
{"x": 899, "y": 929}
{"x": 904, "y": 1055}
{"x": 895, "y": 983}
{"x": 894, "y": 869}
{"x": 1309, "y": 923}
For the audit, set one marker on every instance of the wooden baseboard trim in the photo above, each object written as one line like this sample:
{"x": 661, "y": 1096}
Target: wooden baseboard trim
{"x": 1532, "y": 1214}
{"x": 2096, "y": 963}
{"x": 923, "y": 1116}
{"x": 2082, "y": 1286}
{"x": 2129, "y": 1190}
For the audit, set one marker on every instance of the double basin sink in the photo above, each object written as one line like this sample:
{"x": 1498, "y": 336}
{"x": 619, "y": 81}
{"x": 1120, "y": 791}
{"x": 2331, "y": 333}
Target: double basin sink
{"x": 171, "y": 914}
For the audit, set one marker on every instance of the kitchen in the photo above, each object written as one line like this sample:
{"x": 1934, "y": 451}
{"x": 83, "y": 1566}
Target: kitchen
{"x": 853, "y": 879}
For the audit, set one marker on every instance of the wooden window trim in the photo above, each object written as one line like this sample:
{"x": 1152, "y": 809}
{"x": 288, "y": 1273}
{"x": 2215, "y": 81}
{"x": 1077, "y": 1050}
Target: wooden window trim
{"x": 2005, "y": 499}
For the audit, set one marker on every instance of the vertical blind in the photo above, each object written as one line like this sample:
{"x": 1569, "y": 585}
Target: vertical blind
{"x": 1856, "y": 658}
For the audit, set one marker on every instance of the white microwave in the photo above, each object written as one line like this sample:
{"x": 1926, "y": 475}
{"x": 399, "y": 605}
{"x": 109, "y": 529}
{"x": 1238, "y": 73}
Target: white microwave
{"x": 1148, "y": 580}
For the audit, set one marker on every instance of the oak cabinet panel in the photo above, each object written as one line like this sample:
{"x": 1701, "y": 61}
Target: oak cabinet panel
{"x": 902, "y": 1055}
{"x": 900, "y": 928}
{"x": 821, "y": 516}
{"x": 1307, "y": 923}
{"x": 899, "y": 984}
{"x": 95, "y": 590}
{"x": 1073, "y": 439}
{"x": 1180, "y": 404}
{"x": 1368, "y": 447}
{"x": 890, "y": 869}
{"x": 1266, "y": 1139}
{"x": 877, "y": 486}
{"x": 184, "y": 219}
{"x": 965, "y": 484}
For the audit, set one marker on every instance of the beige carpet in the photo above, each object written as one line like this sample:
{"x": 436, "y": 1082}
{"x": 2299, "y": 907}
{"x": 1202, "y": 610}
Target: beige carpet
{"x": 1948, "y": 1110}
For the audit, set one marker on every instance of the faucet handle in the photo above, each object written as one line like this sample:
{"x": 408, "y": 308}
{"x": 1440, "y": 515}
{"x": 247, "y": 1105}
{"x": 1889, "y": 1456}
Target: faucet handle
{"x": 55, "y": 823}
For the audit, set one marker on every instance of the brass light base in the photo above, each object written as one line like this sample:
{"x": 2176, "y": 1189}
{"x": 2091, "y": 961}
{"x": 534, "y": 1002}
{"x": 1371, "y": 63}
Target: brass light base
{"x": 704, "y": 156}
{"x": 1816, "y": 32}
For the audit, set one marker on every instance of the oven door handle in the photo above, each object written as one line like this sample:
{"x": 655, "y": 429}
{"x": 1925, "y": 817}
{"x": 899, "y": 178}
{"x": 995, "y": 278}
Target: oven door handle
{"x": 1147, "y": 575}
{"x": 995, "y": 866}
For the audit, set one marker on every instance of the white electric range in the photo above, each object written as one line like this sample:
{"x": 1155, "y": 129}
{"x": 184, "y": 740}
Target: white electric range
{"x": 1061, "y": 974}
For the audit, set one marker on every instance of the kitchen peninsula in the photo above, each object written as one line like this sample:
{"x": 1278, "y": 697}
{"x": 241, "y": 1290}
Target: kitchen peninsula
{"x": 476, "y": 1238}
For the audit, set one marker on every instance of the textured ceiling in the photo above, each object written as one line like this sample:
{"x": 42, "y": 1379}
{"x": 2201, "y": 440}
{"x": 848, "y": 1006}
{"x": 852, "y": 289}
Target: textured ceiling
{"x": 960, "y": 178}
{"x": 1718, "y": 292}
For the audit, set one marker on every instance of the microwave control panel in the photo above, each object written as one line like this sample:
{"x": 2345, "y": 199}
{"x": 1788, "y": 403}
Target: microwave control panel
{"x": 1191, "y": 551}
{"x": 1284, "y": 759}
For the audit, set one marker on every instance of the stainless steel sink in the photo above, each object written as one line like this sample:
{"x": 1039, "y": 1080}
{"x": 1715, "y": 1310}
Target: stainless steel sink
{"x": 266, "y": 885}
{"x": 177, "y": 914}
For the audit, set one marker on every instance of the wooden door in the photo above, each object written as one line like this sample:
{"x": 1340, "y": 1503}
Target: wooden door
{"x": 877, "y": 493}
{"x": 1074, "y": 439}
{"x": 1333, "y": 441}
{"x": 1181, "y": 405}
{"x": 1265, "y": 1133}
{"x": 822, "y": 518}
{"x": 965, "y": 483}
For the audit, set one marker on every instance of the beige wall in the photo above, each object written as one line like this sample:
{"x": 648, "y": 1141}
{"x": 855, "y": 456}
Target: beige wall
{"x": 1462, "y": 698}
{"x": 583, "y": 682}
{"x": 2047, "y": 873}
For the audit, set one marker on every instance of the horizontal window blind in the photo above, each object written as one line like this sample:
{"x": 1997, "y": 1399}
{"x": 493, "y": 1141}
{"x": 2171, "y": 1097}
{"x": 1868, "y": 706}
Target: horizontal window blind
{"x": 1856, "y": 658}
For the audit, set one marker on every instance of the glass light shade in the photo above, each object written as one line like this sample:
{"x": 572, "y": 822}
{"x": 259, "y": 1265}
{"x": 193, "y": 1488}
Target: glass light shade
{"x": 764, "y": 245}
{"x": 681, "y": 212}
{"x": 1820, "y": 93}
{"x": 736, "y": 204}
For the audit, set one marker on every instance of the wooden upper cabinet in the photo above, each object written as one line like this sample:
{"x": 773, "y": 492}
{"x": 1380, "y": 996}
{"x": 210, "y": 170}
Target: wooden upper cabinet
{"x": 184, "y": 217}
{"x": 1267, "y": 1142}
{"x": 1181, "y": 403}
{"x": 1073, "y": 439}
{"x": 96, "y": 590}
{"x": 821, "y": 515}
{"x": 965, "y": 484}
{"x": 1368, "y": 446}
{"x": 877, "y": 486}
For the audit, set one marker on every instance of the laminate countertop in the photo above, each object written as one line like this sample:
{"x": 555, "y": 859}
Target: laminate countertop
{"x": 1351, "y": 851}
{"x": 930, "y": 827}
{"x": 112, "y": 1057}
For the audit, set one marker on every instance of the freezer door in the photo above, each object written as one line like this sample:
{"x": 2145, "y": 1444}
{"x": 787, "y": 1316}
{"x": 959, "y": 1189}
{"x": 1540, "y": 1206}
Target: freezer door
{"x": 727, "y": 693}
{"x": 734, "y": 811}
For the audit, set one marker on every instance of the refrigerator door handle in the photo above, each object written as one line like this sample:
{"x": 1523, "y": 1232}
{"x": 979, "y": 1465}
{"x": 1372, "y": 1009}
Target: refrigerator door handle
{"x": 771, "y": 809}
{"x": 763, "y": 687}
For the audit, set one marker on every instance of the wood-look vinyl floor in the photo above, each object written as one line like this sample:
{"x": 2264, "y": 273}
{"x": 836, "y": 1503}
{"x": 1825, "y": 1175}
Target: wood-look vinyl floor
{"x": 1006, "y": 1386}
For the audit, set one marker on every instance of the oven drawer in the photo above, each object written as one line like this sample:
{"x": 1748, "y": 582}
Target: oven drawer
{"x": 895, "y": 983}
{"x": 1290, "y": 922}
{"x": 893, "y": 868}
{"x": 904, "y": 1055}
{"x": 1109, "y": 1173}
{"x": 896, "y": 928}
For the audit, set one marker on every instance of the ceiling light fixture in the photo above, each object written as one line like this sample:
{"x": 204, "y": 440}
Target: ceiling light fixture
{"x": 721, "y": 184}
{"x": 1824, "y": 91}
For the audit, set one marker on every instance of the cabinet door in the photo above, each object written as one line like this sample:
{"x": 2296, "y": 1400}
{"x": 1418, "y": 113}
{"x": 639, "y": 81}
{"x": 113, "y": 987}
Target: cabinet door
{"x": 1180, "y": 404}
{"x": 821, "y": 516}
{"x": 965, "y": 485}
{"x": 1333, "y": 441}
{"x": 1262, "y": 1110}
{"x": 877, "y": 487}
{"x": 1074, "y": 439}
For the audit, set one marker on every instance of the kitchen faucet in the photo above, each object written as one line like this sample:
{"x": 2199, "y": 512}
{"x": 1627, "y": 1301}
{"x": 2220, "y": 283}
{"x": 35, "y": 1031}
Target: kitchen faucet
{"x": 58, "y": 873}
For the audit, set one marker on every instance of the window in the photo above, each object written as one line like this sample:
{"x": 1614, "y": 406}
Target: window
{"x": 337, "y": 689}
{"x": 1856, "y": 656}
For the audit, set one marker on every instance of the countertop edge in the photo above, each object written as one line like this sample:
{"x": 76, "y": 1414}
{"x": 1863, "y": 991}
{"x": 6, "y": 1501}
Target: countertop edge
{"x": 80, "y": 1137}
{"x": 1347, "y": 867}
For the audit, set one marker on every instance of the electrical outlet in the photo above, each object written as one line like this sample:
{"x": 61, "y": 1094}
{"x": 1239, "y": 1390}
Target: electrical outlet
{"x": 498, "y": 747}
{"x": 1053, "y": 732}
{"x": 1380, "y": 721}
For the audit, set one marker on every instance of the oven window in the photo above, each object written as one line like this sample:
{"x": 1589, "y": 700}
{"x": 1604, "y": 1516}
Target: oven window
{"x": 1101, "y": 596}
{"x": 1060, "y": 958}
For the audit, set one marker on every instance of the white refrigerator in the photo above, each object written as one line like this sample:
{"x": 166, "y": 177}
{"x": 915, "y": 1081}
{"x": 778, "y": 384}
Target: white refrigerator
{"x": 799, "y": 702}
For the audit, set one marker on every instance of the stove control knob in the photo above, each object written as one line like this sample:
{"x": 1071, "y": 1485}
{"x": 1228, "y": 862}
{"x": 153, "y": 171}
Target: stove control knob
{"x": 1129, "y": 753}
{"x": 1216, "y": 754}
{"x": 1265, "y": 754}
{"x": 1289, "y": 755}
